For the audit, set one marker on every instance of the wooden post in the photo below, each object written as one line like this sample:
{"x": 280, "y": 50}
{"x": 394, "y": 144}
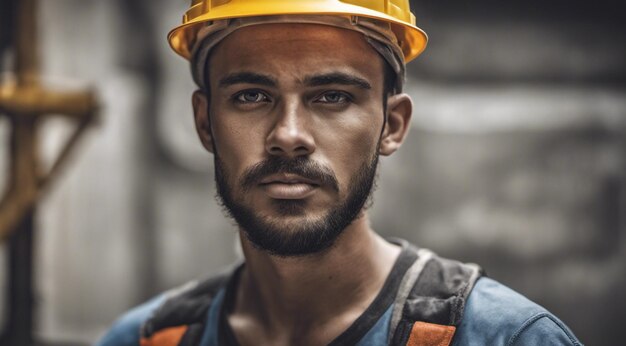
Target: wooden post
{"x": 25, "y": 102}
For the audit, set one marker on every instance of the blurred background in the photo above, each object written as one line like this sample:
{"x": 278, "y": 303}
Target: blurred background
{"x": 516, "y": 160}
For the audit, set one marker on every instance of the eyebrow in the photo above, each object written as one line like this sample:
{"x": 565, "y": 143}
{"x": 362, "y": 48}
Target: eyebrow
{"x": 247, "y": 78}
{"x": 316, "y": 80}
{"x": 337, "y": 78}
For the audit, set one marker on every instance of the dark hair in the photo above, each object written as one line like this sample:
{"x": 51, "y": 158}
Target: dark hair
{"x": 390, "y": 79}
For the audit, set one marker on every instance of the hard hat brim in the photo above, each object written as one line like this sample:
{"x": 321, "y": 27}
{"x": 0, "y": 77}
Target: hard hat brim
{"x": 412, "y": 39}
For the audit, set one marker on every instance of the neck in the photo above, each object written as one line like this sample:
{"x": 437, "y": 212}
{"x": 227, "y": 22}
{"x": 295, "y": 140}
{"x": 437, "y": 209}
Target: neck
{"x": 293, "y": 295}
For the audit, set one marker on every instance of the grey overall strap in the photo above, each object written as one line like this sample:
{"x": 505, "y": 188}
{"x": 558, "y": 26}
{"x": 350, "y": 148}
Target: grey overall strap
{"x": 187, "y": 306}
{"x": 431, "y": 299}
{"x": 407, "y": 284}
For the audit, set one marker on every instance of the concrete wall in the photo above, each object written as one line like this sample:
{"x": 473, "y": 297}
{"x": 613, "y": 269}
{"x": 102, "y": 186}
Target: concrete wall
{"x": 516, "y": 161}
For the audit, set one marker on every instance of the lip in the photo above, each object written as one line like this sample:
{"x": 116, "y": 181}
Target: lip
{"x": 288, "y": 186}
{"x": 286, "y": 178}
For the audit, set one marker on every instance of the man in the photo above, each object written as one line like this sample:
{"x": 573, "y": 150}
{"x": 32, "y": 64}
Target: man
{"x": 297, "y": 100}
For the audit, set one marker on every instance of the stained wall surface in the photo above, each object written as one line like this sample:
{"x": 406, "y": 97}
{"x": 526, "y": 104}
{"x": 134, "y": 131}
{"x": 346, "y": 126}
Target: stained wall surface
{"x": 516, "y": 160}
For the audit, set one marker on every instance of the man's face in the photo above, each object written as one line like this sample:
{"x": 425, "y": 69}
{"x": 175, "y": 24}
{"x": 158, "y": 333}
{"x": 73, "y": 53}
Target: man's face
{"x": 296, "y": 114}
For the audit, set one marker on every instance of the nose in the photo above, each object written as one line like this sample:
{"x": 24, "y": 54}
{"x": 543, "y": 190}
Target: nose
{"x": 290, "y": 136}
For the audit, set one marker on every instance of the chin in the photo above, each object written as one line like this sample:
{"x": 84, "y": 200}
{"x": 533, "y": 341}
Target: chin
{"x": 291, "y": 221}
{"x": 287, "y": 207}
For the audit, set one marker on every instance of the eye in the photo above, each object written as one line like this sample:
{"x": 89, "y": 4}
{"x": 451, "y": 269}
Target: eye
{"x": 251, "y": 96}
{"x": 334, "y": 97}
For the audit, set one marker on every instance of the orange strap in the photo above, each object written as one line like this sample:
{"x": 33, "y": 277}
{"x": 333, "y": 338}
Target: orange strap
{"x": 429, "y": 334}
{"x": 422, "y": 334}
{"x": 166, "y": 337}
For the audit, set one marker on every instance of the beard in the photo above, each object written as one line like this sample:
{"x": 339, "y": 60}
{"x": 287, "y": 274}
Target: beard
{"x": 311, "y": 235}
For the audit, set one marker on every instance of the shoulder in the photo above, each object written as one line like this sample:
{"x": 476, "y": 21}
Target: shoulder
{"x": 184, "y": 305}
{"x": 126, "y": 330}
{"x": 497, "y": 315}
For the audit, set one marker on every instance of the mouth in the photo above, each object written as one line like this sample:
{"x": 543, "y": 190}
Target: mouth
{"x": 288, "y": 186}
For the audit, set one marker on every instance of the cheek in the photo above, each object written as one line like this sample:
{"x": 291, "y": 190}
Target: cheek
{"x": 237, "y": 145}
{"x": 349, "y": 144}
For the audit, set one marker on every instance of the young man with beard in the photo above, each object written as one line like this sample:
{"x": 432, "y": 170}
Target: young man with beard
{"x": 297, "y": 100}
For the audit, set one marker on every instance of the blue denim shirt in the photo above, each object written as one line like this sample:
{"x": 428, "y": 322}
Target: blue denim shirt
{"x": 497, "y": 315}
{"x": 494, "y": 315}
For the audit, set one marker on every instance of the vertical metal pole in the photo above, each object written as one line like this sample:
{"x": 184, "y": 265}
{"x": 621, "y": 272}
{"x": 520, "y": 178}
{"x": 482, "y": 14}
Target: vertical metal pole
{"x": 19, "y": 327}
{"x": 20, "y": 324}
{"x": 23, "y": 177}
{"x": 20, "y": 302}
{"x": 27, "y": 56}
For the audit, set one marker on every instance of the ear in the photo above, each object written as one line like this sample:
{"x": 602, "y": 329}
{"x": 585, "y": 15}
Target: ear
{"x": 201, "y": 116}
{"x": 399, "y": 110}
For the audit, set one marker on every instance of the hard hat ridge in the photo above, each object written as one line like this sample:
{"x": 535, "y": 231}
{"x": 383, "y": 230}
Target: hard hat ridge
{"x": 411, "y": 40}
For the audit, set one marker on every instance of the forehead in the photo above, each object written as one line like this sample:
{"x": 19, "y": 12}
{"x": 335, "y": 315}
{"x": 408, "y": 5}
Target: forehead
{"x": 295, "y": 50}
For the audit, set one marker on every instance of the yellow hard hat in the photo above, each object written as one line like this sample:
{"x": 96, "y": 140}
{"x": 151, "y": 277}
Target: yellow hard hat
{"x": 412, "y": 39}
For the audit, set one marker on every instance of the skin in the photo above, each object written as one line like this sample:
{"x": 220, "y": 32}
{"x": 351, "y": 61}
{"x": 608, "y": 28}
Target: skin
{"x": 306, "y": 300}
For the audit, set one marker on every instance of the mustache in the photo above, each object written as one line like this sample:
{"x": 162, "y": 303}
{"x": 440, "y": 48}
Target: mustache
{"x": 302, "y": 166}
